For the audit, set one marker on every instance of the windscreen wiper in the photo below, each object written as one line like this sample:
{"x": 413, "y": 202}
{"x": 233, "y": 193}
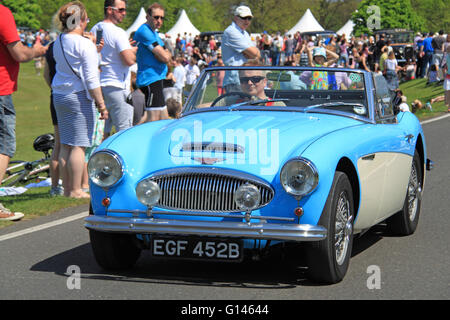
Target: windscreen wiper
{"x": 333, "y": 104}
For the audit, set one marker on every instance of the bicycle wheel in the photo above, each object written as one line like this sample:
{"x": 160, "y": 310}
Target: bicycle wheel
{"x": 15, "y": 173}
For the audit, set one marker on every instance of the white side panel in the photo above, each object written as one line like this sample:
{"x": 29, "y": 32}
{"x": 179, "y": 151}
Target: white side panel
{"x": 398, "y": 172}
{"x": 384, "y": 178}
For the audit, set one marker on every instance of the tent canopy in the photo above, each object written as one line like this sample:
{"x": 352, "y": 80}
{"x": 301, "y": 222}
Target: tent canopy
{"x": 307, "y": 23}
{"x": 183, "y": 25}
{"x": 140, "y": 20}
{"x": 347, "y": 29}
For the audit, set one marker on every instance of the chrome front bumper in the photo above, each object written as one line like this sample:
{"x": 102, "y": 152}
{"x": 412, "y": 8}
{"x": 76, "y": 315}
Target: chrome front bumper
{"x": 259, "y": 230}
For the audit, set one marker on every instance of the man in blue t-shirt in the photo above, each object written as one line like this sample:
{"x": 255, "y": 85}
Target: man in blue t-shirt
{"x": 428, "y": 50}
{"x": 152, "y": 58}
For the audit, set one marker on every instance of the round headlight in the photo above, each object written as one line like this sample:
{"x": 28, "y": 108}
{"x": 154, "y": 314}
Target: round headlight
{"x": 148, "y": 192}
{"x": 105, "y": 168}
{"x": 247, "y": 197}
{"x": 299, "y": 177}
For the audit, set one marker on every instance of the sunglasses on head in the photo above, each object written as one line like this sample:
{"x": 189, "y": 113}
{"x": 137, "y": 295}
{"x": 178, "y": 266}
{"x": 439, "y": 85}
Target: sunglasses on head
{"x": 254, "y": 79}
{"x": 246, "y": 18}
{"x": 121, "y": 10}
{"x": 158, "y": 17}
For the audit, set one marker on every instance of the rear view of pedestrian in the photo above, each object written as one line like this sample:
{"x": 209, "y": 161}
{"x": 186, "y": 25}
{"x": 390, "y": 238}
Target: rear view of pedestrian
{"x": 76, "y": 86}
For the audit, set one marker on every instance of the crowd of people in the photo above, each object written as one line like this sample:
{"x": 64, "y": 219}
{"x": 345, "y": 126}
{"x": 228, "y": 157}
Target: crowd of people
{"x": 102, "y": 79}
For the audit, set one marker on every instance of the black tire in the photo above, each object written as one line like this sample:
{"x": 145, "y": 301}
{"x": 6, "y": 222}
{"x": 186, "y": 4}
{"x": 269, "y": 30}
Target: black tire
{"x": 114, "y": 251}
{"x": 405, "y": 222}
{"x": 328, "y": 262}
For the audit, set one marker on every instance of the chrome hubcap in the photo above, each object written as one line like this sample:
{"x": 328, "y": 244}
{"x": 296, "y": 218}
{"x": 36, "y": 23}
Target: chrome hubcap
{"x": 343, "y": 228}
{"x": 414, "y": 193}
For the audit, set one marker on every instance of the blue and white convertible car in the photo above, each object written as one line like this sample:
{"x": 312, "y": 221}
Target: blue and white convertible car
{"x": 308, "y": 156}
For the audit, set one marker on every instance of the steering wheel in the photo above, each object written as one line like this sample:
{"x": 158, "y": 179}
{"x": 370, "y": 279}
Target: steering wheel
{"x": 236, "y": 93}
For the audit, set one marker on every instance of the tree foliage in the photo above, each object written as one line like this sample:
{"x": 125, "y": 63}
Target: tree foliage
{"x": 25, "y": 12}
{"x": 269, "y": 15}
{"x": 383, "y": 14}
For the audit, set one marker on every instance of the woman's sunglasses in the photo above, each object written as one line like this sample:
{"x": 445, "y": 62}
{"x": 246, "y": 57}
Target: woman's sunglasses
{"x": 254, "y": 79}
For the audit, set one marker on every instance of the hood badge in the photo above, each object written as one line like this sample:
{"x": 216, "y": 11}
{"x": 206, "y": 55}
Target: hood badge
{"x": 208, "y": 161}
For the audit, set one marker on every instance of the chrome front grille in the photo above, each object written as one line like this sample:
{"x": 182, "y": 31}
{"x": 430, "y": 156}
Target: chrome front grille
{"x": 205, "y": 190}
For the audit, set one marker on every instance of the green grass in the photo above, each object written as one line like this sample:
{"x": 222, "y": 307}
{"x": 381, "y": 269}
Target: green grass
{"x": 418, "y": 89}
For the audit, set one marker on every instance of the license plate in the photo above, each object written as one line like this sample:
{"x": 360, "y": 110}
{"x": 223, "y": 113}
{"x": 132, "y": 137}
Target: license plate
{"x": 197, "y": 248}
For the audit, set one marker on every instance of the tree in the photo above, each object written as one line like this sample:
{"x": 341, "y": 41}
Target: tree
{"x": 25, "y": 12}
{"x": 383, "y": 14}
{"x": 434, "y": 12}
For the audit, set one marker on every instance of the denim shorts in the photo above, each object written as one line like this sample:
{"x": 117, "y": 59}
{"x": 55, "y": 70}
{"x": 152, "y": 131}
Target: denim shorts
{"x": 7, "y": 126}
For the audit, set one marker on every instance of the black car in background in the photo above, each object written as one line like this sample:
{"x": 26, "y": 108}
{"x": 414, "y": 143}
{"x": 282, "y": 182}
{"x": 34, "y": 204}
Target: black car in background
{"x": 402, "y": 41}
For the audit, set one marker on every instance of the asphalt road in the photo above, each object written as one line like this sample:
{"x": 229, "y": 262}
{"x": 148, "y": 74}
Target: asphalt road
{"x": 40, "y": 263}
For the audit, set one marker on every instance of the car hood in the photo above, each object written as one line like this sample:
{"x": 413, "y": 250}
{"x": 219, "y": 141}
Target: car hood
{"x": 241, "y": 138}
{"x": 250, "y": 141}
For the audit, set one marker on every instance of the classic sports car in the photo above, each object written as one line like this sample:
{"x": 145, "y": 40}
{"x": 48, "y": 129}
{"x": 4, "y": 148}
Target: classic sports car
{"x": 309, "y": 156}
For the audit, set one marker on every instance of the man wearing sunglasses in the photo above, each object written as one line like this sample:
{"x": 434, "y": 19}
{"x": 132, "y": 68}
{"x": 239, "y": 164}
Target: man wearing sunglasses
{"x": 152, "y": 59}
{"x": 237, "y": 46}
{"x": 117, "y": 55}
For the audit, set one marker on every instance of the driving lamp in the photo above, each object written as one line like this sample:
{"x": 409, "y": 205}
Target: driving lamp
{"x": 148, "y": 192}
{"x": 105, "y": 168}
{"x": 299, "y": 177}
{"x": 247, "y": 197}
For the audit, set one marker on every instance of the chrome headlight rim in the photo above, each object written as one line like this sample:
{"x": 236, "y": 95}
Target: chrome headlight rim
{"x": 119, "y": 161}
{"x": 137, "y": 190}
{"x": 256, "y": 192}
{"x": 314, "y": 173}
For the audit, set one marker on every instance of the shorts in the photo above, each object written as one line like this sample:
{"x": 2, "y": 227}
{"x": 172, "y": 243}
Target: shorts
{"x": 7, "y": 126}
{"x": 120, "y": 112}
{"x": 154, "y": 96}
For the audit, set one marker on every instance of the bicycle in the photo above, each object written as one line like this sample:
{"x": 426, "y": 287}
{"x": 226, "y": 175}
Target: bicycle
{"x": 20, "y": 171}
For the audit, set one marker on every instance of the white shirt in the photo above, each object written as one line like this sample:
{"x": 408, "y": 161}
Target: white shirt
{"x": 179, "y": 74}
{"x": 192, "y": 73}
{"x": 81, "y": 54}
{"x": 404, "y": 107}
{"x": 113, "y": 71}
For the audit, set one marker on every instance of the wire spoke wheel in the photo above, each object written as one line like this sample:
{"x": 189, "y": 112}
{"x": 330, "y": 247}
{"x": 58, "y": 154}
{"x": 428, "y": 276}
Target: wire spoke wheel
{"x": 343, "y": 227}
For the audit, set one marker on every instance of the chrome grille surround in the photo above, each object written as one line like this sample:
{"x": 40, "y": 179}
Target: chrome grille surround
{"x": 205, "y": 189}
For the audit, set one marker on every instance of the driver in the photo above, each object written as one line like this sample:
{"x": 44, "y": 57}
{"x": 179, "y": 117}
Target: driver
{"x": 253, "y": 83}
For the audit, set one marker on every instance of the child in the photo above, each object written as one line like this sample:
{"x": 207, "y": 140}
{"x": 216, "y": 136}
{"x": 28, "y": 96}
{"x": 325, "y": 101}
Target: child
{"x": 173, "y": 108}
{"x": 432, "y": 75}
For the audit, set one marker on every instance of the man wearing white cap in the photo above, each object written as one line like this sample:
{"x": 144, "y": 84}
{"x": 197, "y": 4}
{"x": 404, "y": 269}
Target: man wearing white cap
{"x": 237, "y": 46}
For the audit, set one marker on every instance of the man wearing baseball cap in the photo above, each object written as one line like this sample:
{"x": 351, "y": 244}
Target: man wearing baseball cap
{"x": 237, "y": 46}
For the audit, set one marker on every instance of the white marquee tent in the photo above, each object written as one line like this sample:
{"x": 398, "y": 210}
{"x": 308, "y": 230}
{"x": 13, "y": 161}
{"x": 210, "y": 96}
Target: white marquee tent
{"x": 347, "y": 29}
{"x": 140, "y": 20}
{"x": 306, "y": 24}
{"x": 183, "y": 25}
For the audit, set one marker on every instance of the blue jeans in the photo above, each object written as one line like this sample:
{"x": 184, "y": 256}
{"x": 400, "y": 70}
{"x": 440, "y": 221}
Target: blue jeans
{"x": 7, "y": 126}
{"x": 427, "y": 58}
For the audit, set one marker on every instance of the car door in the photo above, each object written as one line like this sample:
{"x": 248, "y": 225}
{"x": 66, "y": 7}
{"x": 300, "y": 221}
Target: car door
{"x": 385, "y": 166}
